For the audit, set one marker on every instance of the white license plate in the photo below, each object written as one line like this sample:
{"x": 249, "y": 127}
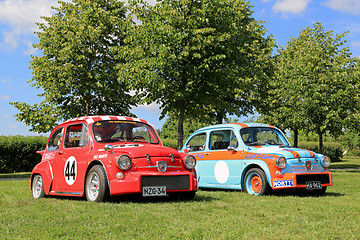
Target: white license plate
{"x": 314, "y": 185}
{"x": 154, "y": 191}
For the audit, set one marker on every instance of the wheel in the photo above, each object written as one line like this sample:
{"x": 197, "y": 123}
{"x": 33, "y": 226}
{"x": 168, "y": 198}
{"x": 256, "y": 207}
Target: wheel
{"x": 96, "y": 187}
{"x": 37, "y": 187}
{"x": 255, "y": 182}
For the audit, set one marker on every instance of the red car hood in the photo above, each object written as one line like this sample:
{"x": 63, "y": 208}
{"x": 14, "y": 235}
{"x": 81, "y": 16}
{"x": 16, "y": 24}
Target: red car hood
{"x": 142, "y": 150}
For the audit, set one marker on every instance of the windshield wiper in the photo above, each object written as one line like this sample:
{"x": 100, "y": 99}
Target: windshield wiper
{"x": 112, "y": 140}
{"x": 254, "y": 144}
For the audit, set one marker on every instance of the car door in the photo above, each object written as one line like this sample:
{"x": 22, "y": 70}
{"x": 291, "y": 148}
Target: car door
{"x": 196, "y": 147}
{"x": 72, "y": 160}
{"x": 221, "y": 162}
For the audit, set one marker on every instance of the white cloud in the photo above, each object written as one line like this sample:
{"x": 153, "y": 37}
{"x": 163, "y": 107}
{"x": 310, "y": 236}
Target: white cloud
{"x": 356, "y": 44}
{"x": 13, "y": 127}
{"x": 347, "y": 6}
{"x": 153, "y": 108}
{"x": 5, "y": 97}
{"x": 290, "y": 6}
{"x": 31, "y": 50}
{"x": 21, "y": 16}
{"x": 6, "y": 116}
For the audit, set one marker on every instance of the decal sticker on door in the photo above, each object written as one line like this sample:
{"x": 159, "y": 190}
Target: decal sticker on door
{"x": 70, "y": 170}
{"x": 221, "y": 172}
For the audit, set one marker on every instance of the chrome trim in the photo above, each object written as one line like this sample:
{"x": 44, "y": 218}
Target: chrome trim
{"x": 148, "y": 158}
{"x": 157, "y": 166}
{"x": 72, "y": 193}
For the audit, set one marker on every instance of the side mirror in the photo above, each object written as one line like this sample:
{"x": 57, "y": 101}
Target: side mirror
{"x": 109, "y": 147}
{"x": 231, "y": 148}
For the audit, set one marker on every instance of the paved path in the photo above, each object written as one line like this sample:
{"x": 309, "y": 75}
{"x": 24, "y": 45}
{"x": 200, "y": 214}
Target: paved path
{"x": 11, "y": 179}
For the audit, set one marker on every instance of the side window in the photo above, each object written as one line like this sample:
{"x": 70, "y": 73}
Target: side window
{"x": 55, "y": 140}
{"x": 76, "y": 136}
{"x": 222, "y": 139}
{"x": 234, "y": 141}
{"x": 197, "y": 143}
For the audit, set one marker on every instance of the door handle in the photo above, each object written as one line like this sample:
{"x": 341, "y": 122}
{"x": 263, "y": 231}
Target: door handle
{"x": 207, "y": 153}
{"x": 60, "y": 152}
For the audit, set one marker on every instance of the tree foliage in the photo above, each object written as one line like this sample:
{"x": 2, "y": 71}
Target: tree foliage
{"x": 316, "y": 85}
{"x": 197, "y": 59}
{"x": 77, "y": 70}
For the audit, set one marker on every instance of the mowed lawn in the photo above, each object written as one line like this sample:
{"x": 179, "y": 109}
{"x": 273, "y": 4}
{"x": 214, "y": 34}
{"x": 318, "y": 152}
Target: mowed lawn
{"x": 211, "y": 215}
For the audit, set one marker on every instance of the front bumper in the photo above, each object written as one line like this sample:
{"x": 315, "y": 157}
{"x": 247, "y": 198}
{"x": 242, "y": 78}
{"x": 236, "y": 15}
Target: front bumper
{"x": 177, "y": 181}
{"x": 298, "y": 180}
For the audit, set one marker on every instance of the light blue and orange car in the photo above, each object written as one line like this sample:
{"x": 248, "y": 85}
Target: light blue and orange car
{"x": 256, "y": 158}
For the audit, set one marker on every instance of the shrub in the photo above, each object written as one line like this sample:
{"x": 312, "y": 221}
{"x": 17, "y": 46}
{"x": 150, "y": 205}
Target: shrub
{"x": 18, "y": 153}
{"x": 331, "y": 149}
{"x": 169, "y": 142}
{"x": 353, "y": 152}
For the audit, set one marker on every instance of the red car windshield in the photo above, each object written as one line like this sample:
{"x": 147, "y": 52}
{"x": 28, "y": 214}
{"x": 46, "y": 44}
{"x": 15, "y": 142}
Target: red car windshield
{"x": 123, "y": 131}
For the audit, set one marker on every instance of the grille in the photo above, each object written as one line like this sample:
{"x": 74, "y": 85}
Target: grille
{"x": 171, "y": 182}
{"x": 323, "y": 178}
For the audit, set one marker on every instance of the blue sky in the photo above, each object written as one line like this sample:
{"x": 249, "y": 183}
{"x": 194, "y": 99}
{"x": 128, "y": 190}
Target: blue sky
{"x": 283, "y": 19}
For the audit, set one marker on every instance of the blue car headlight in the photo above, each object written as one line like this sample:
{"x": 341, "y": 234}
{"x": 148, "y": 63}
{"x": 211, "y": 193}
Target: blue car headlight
{"x": 325, "y": 161}
{"x": 281, "y": 162}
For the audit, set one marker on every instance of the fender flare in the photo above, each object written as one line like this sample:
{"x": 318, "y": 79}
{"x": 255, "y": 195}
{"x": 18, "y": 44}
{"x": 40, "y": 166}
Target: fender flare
{"x": 43, "y": 169}
{"x": 93, "y": 163}
{"x": 256, "y": 164}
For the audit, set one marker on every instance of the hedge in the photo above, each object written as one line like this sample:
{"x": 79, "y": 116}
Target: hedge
{"x": 18, "y": 153}
{"x": 331, "y": 149}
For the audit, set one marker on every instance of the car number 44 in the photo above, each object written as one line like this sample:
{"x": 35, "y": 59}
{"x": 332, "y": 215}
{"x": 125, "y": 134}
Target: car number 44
{"x": 154, "y": 191}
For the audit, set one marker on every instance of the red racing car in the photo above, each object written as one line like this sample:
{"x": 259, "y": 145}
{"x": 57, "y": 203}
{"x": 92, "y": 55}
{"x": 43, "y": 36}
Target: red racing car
{"x": 102, "y": 156}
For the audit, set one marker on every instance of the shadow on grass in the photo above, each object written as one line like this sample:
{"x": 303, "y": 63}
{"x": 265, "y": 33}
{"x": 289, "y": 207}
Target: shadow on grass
{"x": 284, "y": 192}
{"x": 304, "y": 193}
{"x": 346, "y": 170}
{"x": 138, "y": 198}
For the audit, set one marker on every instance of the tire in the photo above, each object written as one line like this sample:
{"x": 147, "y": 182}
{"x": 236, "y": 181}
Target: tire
{"x": 37, "y": 187}
{"x": 256, "y": 182}
{"x": 96, "y": 187}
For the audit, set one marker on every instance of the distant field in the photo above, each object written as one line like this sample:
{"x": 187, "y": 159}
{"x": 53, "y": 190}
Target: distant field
{"x": 211, "y": 215}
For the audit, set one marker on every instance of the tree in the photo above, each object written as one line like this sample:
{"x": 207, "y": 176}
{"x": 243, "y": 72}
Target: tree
{"x": 77, "y": 70}
{"x": 198, "y": 59}
{"x": 316, "y": 84}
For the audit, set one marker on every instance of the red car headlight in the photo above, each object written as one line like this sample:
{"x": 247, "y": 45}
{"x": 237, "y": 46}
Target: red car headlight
{"x": 124, "y": 162}
{"x": 190, "y": 162}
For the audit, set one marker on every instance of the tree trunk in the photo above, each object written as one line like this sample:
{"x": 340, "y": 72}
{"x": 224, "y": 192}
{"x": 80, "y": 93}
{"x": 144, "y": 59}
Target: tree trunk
{"x": 321, "y": 144}
{"x": 181, "y": 128}
{"x": 296, "y": 138}
{"x": 219, "y": 116}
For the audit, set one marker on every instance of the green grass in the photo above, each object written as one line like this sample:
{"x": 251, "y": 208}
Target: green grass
{"x": 347, "y": 162}
{"x": 211, "y": 215}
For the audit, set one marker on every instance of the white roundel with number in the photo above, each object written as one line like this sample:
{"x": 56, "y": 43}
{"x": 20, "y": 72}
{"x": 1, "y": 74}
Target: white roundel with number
{"x": 70, "y": 170}
{"x": 221, "y": 172}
